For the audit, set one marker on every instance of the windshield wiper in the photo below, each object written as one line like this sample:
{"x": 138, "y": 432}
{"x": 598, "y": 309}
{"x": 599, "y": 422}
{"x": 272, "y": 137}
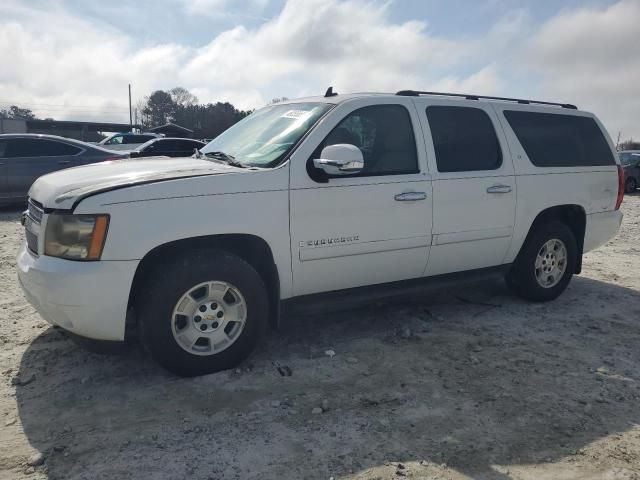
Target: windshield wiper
{"x": 225, "y": 157}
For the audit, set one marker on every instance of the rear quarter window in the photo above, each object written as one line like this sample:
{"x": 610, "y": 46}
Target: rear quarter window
{"x": 557, "y": 140}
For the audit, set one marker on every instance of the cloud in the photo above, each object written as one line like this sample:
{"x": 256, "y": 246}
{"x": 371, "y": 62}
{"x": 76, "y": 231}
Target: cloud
{"x": 52, "y": 55}
{"x": 590, "y": 57}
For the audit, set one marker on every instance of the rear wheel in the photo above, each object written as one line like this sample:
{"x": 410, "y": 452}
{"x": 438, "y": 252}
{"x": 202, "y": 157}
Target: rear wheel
{"x": 202, "y": 312}
{"x": 630, "y": 185}
{"x": 545, "y": 264}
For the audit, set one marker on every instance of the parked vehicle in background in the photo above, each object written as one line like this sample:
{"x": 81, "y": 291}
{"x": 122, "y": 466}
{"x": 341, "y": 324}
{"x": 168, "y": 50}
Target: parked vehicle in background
{"x": 167, "y": 147}
{"x": 630, "y": 160}
{"x": 127, "y": 141}
{"x": 341, "y": 196}
{"x": 25, "y": 157}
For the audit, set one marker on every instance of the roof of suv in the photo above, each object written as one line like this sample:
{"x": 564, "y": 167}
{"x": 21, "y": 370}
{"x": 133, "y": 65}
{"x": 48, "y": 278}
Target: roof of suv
{"x": 331, "y": 97}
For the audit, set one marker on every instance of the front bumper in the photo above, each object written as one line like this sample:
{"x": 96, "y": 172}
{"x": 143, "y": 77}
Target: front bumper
{"x": 88, "y": 299}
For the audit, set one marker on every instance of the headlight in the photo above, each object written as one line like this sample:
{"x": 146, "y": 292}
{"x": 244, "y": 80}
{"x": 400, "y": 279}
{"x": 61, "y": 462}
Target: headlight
{"x": 76, "y": 237}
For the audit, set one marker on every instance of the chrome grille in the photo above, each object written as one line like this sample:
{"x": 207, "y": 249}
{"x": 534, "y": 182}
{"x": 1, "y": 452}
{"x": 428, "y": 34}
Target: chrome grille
{"x": 32, "y": 241}
{"x": 35, "y": 212}
{"x": 32, "y": 225}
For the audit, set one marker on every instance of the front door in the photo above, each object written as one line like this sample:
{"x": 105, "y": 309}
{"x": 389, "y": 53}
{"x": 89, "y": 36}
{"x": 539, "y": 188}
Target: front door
{"x": 369, "y": 228}
{"x": 29, "y": 158}
{"x": 474, "y": 187}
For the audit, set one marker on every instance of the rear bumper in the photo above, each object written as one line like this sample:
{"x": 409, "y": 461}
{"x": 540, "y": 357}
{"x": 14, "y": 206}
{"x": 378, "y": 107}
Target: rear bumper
{"x": 601, "y": 227}
{"x": 88, "y": 299}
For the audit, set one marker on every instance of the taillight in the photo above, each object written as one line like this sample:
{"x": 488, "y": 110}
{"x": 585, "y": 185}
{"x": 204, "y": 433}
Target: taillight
{"x": 620, "y": 187}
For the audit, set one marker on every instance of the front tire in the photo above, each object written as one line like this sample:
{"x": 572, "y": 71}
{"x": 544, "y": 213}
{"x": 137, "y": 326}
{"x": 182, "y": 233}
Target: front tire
{"x": 202, "y": 312}
{"x": 545, "y": 264}
{"x": 630, "y": 185}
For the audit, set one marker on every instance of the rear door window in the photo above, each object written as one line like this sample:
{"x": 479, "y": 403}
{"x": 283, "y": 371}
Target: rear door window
{"x": 31, "y": 147}
{"x": 464, "y": 139}
{"x": 557, "y": 140}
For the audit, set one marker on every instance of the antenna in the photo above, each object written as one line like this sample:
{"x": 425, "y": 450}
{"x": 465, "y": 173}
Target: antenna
{"x": 330, "y": 92}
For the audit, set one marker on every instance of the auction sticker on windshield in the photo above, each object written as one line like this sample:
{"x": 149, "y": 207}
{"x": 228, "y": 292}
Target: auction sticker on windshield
{"x": 297, "y": 114}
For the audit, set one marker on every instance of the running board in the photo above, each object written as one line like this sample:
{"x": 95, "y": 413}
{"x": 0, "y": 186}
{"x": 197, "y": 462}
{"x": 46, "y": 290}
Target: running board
{"x": 363, "y": 296}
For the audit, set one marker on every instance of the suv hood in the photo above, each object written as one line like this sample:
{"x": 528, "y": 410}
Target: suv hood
{"x": 65, "y": 188}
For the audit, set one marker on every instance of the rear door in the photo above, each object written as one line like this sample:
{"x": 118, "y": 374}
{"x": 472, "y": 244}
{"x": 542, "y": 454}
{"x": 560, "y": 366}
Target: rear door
{"x": 27, "y": 159}
{"x": 474, "y": 188}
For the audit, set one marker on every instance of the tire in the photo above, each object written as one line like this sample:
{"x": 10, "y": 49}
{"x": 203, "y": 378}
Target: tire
{"x": 630, "y": 185}
{"x": 167, "y": 318}
{"x": 526, "y": 278}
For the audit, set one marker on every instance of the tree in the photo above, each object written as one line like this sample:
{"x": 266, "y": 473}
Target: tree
{"x": 629, "y": 145}
{"x": 183, "y": 97}
{"x": 159, "y": 109}
{"x": 180, "y": 106}
{"x": 17, "y": 113}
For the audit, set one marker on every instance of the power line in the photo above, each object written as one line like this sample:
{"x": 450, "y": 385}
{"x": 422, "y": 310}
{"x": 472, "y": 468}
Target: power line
{"x": 58, "y": 106}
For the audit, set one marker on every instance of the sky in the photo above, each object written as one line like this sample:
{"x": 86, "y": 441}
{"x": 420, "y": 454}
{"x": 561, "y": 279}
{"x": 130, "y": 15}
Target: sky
{"x": 73, "y": 59}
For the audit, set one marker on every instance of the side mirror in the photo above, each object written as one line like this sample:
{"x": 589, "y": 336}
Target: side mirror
{"x": 340, "y": 159}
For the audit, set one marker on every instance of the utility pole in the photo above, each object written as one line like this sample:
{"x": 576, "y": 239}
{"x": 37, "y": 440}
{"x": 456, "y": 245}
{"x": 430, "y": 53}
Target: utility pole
{"x": 618, "y": 142}
{"x": 130, "y": 111}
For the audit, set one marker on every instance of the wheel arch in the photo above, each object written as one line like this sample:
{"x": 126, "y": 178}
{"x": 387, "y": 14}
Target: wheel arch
{"x": 574, "y": 216}
{"x": 251, "y": 248}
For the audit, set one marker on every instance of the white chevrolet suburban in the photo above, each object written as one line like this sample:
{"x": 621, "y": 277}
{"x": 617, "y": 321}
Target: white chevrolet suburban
{"x": 328, "y": 197}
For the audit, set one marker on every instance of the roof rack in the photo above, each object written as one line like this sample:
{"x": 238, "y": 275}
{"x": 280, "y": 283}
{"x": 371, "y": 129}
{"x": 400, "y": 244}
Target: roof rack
{"x": 417, "y": 93}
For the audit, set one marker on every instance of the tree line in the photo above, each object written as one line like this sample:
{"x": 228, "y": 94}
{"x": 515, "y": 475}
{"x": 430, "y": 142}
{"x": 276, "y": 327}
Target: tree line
{"x": 177, "y": 105}
{"x": 181, "y": 107}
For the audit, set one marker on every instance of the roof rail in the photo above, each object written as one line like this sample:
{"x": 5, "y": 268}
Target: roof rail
{"x": 417, "y": 93}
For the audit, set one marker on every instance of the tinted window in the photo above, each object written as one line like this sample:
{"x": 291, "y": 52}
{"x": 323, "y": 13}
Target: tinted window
{"x": 464, "y": 139}
{"x": 31, "y": 147}
{"x": 165, "y": 146}
{"x": 626, "y": 158}
{"x": 384, "y": 134}
{"x": 556, "y": 140}
{"x": 187, "y": 145}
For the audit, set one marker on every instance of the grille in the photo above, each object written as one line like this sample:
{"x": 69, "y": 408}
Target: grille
{"x": 32, "y": 241}
{"x": 35, "y": 212}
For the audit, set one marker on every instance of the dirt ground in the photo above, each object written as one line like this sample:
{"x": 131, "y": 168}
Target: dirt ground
{"x": 473, "y": 383}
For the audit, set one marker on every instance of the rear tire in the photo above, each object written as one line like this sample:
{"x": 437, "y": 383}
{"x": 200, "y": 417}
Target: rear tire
{"x": 630, "y": 185}
{"x": 202, "y": 312}
{"x": 545, "y": 264}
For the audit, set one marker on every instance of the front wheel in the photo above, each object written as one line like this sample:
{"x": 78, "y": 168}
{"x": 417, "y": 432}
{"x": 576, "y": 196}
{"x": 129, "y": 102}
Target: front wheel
{"x": 202, "y": 312}
{"x": 630, "y": 185}
{"x": 545, "y": 264}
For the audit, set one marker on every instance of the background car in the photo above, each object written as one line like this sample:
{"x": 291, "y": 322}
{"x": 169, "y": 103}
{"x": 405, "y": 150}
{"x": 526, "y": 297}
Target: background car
{"x": 630, "y": 160}
{"x": 127, "y": 141}
{"x": 25, "y": 157}
{"x": 169, "y": 147}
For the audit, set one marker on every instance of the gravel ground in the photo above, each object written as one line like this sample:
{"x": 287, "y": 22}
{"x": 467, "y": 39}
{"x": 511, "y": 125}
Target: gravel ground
{"x": 470, "y": 384}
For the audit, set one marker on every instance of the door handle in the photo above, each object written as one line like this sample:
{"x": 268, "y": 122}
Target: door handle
{"x": 499, "y": 189}
{"x": 64, "y": 162}
{"x": 410, "y": 196}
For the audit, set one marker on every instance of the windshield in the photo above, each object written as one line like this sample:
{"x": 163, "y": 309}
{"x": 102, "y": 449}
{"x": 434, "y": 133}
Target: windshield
{"x": 627, "y": 158}
{"x": 263, "y": 138}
